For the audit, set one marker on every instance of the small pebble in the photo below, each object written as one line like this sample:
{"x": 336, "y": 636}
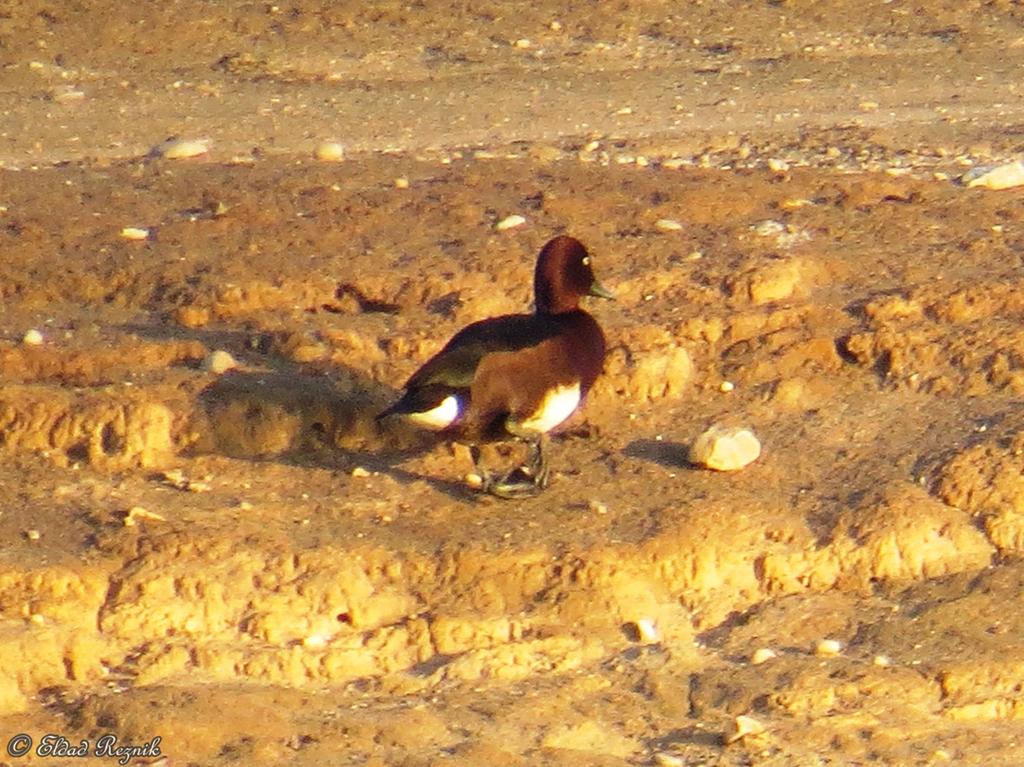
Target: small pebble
{"x": 136, "y": 513}
{"x": 828, "y": 648}
{"x": 135, "y": 233}
{"x": 776, "y": 165}
{"x": 32, "y": 535}
{"x": 726, "y": 386}
{"x": 67, "y": 94}
{"x": 762, "y": 655}
{"x": 647, "y": 631}
{"x": 37, "y": 619}
{"x": 314, "y": 641}
{"x": 32, "y": 338}
{"x": 219, "y": 361}
{"x": 522, "y": 43}
{"x": 510, "y": 222}
{"x": 179, "y": 149}
{"x": 742, "y": 727}
{"x": 329, "y": 151}
{"x": 667, "y": 760}
{"x": 998, "y": 177}
{"x": 673, "y": 163}
{"x": 401, "y": 183}
{"x": 882, "y": 660}
{"x": 624, "y": 111}
{"x": 597, "y": 507}
{"x": 360, "y": 472}
{"x": 175, "y": 477}
{"x": 474, "y": 481}
{"x": 725, "y": 449}
{"x": 667, "y": 225}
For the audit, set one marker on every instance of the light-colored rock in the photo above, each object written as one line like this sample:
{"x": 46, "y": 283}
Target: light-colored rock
{"x": 762, "y": 655}
{"x": 219, "y": 361}
{"x": 667, "y": 225}
{"x": 510, "y": 222}
{"x": 725, "y": 448}
{"x": 661, "y": 759}
{"x": 828, "y": 648}
{"x": 135, "y": 233}
{"x": 647, "y": 631}
{"x": 137, "y": 513}
{"x": 329, "y": 151}
{"x": 180, "y": 149}
{"x": 1004, "y": 176}
{"x": 744, "y": 726}
{"x": 32, "y": 338}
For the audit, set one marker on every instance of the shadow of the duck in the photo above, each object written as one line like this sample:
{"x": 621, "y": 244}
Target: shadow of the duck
{"x": 311, "y": 421}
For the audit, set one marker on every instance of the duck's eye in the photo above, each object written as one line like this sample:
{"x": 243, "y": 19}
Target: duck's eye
{"x": 586, "y": 260}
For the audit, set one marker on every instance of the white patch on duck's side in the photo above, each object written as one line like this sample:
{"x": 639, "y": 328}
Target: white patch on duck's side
{"x": 438, "y": 417}
{"x": 557, "y": 405}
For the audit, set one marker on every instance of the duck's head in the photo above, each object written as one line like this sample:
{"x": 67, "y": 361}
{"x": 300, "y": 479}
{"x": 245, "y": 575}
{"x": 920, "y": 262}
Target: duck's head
{"x": 563, "y": 276}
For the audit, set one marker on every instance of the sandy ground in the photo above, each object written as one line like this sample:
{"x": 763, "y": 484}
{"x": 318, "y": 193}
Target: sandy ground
{"x": 244, "y": 565}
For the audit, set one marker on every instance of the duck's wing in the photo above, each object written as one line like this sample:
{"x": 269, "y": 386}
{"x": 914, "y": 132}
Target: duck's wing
{"x": 456, "y": 364}
{"x": 437, "y": 394}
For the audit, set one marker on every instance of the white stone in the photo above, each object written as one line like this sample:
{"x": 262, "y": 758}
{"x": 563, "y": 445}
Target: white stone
{"x": 135, "y": 233}
{"x": 828, "y": 648}
{"x": 1004, "y": 176}
{"x": 510, "y": 222}
{"x": 742, "y": 727}
{"x": 32, "y": 338}
{"x": 136, "y": 513}
{"x": 762, "y": 655}
{"x": 647, "y": 631}
{"x": 725, "y": 449}
{"x": 219, "y": 361}
{"x": 329, "y": 151}
{"x": 667, "y": 225}
{"x": 667, "y": 760}
{"x": 178, "y": 149}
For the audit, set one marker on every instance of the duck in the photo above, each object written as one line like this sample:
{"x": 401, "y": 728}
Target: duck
{"x": 515, "y": 377}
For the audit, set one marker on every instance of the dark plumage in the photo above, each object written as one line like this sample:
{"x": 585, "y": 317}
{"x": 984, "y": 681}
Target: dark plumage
{"x": 516, "y": 376}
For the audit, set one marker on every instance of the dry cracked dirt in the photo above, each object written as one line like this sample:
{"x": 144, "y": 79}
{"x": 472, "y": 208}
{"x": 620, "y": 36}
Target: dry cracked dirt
{"x": 244, "y": 564}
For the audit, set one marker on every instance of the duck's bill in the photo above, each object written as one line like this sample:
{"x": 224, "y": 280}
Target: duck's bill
{"x": 600, "y": 291}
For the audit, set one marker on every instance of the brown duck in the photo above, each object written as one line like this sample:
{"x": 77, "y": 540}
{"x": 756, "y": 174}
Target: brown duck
{"x": 517, "y": 376}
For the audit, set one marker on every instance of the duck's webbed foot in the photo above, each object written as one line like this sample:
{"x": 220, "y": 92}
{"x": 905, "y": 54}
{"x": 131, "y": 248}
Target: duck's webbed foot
{"x": 520, "y": 482}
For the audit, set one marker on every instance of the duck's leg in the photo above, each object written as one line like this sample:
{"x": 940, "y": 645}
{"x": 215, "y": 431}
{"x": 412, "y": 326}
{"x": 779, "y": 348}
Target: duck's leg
{"x": 486, "y": 480}
{"x": 502, "y": 487}
{"x": 524, "y": 481}
{"x": 538, "y": 466}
